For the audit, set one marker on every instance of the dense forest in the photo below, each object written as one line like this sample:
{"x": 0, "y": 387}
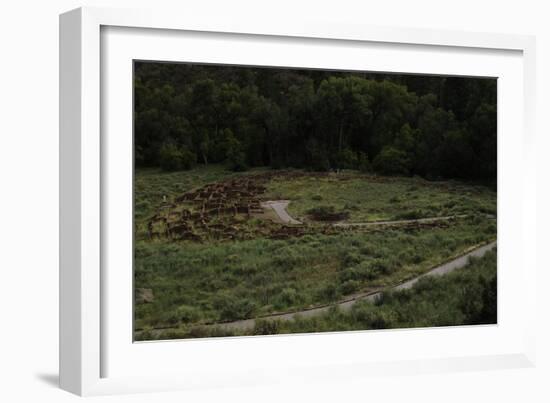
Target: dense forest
{"x": 432, "y": 126}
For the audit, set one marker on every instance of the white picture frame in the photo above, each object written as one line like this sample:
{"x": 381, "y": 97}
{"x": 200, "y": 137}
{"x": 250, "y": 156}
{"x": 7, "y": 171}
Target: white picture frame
{"x": 89, "y": 339}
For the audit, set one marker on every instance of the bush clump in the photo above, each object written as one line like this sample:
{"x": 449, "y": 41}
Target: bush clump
{"x": 346, "y": 159}
{"x": 288, "y": 297}
{"x": 363, "y": 163}
{"x": 176, "y": 158}
{"x": 391, "y": 161}
{"x": 232, "y": 308}
{"x": 372, "y": 317}
{"x": 327, "y": 213}
{"x": 409, "y": 215}
{"x": 264, "y": 326}
{"x": 187, "y": 314}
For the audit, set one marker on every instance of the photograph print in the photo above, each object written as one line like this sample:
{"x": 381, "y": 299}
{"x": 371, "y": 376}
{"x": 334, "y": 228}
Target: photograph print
{"x": 278, "y": 201}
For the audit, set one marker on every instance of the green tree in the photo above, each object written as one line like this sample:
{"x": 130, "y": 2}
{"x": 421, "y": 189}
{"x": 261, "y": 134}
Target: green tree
{"x": 317, "y": 156}
{"x": 174, "y": 158}
{"x": 392, "y": 161}
{"x": 392, "y": 106}
{"x": 347, "y": 159}
{"x": 235, "y": 157}
{"x": 455, "y": 157}
{"x": 344, "y": 107}
{"x": 426, "y": 125}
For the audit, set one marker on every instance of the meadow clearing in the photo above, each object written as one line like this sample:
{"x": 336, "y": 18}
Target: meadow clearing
{"x": 208, "y": 253}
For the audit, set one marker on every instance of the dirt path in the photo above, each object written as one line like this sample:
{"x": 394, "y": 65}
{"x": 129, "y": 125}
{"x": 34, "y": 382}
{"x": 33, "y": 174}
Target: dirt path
{"x": 279, "y": 206}
{"x": 346, "y": 305}
{"x": 395, "y": 222}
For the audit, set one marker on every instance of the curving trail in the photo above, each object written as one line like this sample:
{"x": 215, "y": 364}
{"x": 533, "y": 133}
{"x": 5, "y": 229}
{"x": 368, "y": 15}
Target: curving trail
{"x": 397, "y": 222}
{"x": 279, "y": 206}
{"x": 345, "y": 305}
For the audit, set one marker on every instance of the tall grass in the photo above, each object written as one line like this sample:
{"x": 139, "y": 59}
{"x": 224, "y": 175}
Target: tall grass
{"x": 467, "y": 296}
{"x": 366, "y": 199}
{"x": 226, "y": 281}
{"x": 196, "y": 284}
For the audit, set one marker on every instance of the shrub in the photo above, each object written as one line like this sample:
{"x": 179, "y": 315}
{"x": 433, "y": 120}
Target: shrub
{"x": 174, "y": 158}
{"x": 329, "y": 292}
{"x": 287, "y": 297}
{"x": 263, "y": 326}
{"x": 363, "y": 163}
{"x": 409, "y": 215}
{"x": 232, "y": 308}
{"x": 236, "y": 162}
{"x": 392, "y": 161}
{"x": 366, "y": 270}
{"x": 449, "y": 204}
{"x": 170, "y": 317}
{"x": 394, "y": 199}
{"x": 351, "y": 206}
{"x": 346, "y": 159}
{"x": 372, "y": 316}
{"x": 327, "y": 213}
{"x": 186, "y": 313}
{"x": 234, "y": 152}
{"x": 145, "y": 334}
{"x": 350, "y": 258}
{"x": 348, "y": 287}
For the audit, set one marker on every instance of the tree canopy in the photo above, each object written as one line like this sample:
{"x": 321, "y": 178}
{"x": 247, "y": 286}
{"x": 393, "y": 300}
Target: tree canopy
{"x": 432, "y": 126}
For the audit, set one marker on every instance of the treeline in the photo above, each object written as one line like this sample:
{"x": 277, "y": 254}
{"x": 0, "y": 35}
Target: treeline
{"x": 394, "y": 124}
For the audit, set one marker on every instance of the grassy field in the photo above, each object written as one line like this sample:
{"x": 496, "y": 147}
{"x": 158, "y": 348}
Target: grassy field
{"x": 465, "y": 297}
{"x": 375, "y": 199}
{"x": 200, "y": 283}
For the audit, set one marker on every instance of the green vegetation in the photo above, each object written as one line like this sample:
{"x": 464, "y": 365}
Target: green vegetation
{"x": 464, "y": 297}
{"x": 429, "y": 126}
{"x": 326, "y": 213}
{"x": 174, "y": 158}
{"x": 200, "y": 283}
{"x": 365, "y": 198}
{"x": 238, "y": 280}
{"x": 151, "y": 186}
{"x": 386, "y": 176}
